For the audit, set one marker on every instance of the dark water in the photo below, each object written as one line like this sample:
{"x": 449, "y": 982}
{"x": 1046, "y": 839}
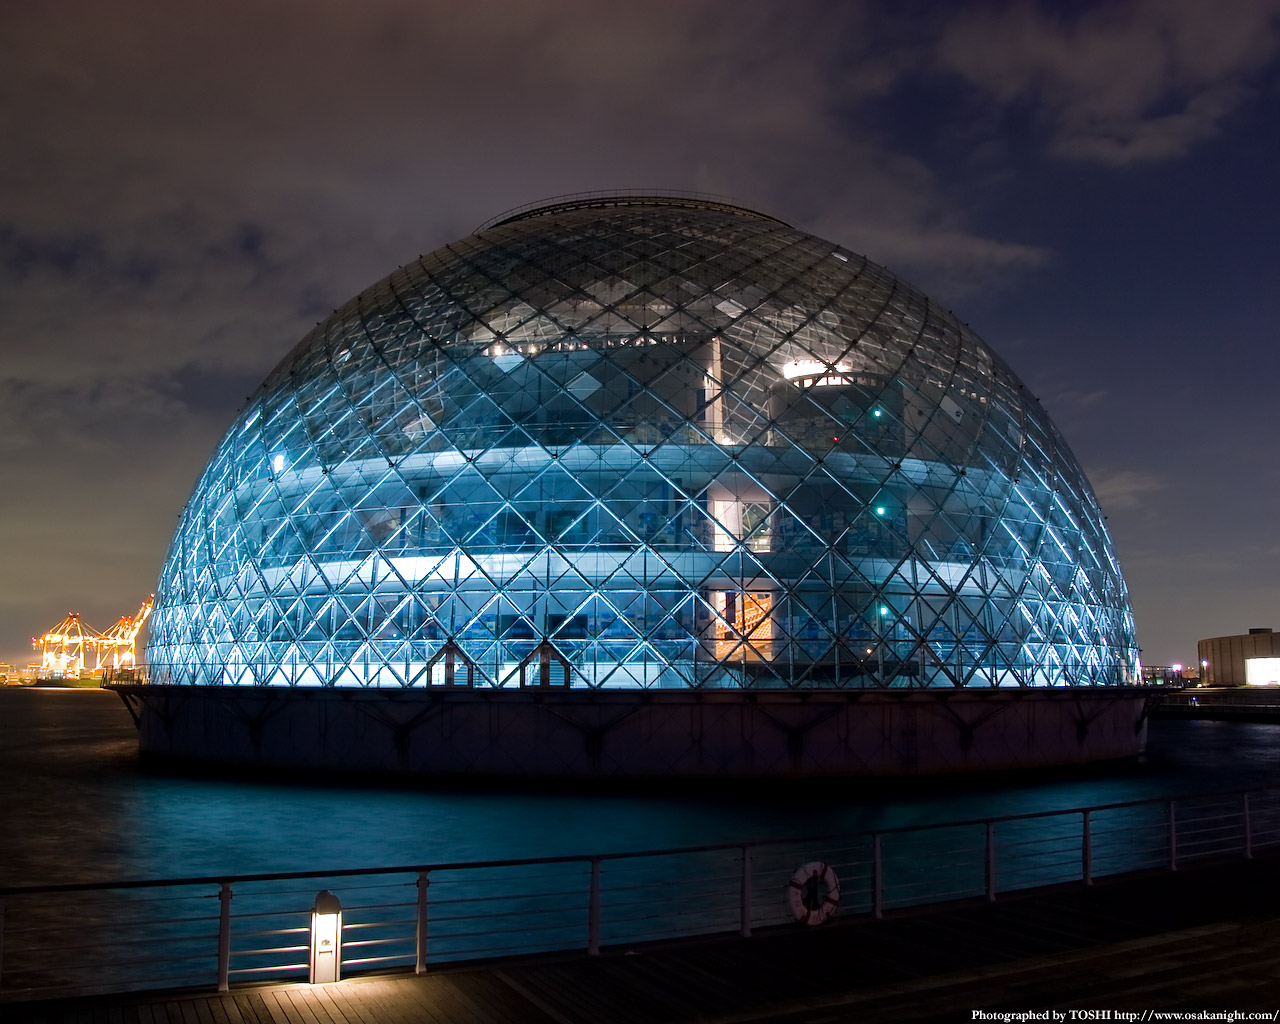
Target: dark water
{"x": 76, "y": 804}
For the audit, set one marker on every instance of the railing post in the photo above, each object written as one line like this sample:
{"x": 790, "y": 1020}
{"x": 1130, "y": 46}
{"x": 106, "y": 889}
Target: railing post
{"x": 1, "y": 938}
{"x": 1173, "y": 837}
{"x": 1248, "y": 830}
{"x": 745, "y": 930}
{"x": 593, "y": 910}
{"x": 877, "y": 879}
{"x": 1086, "y": 849}
{"x": 991, "y": 861}
{"x": 421, "y": 965}
{"x": 224, "y": 937}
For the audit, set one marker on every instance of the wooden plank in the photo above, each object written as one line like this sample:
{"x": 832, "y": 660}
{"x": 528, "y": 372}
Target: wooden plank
{"x": 204, "y": 1010}
{"x": 431, "y": 996}
{"x": 295, "y": 1002}
{"x": 377, "y": 1001}
{"x": 304, "y": 999}
{"x": 355, "y": 1006}
{"x": 683, "y": 985}
{"x": 153, "y": 1012}
{"x": 547, "y": 988}
{"x": 223, "y": 1010}
{"x": 499, "y": 1003}
{"x": 254, "y": 1007}
{"x": 440, "y": 996}
{"x": 280, "y": 1007}
{"x": 415, "y": 1002}
{"x": 340, "y": 997}
{"x": 326, "y": 1004}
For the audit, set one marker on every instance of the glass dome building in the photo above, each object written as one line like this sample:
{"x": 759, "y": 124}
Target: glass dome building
{"x": 637, "y": 442}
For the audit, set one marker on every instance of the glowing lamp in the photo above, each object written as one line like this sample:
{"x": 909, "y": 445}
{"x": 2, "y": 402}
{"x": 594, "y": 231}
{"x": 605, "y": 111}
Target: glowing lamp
{"x": 326, "y": 938}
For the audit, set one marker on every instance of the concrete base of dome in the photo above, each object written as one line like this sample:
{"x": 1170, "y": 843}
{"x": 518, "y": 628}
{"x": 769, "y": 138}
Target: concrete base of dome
{"x": 653, "y": 733}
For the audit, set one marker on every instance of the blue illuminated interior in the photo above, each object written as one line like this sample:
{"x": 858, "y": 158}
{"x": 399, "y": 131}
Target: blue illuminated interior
{"x": 654, "y": 442}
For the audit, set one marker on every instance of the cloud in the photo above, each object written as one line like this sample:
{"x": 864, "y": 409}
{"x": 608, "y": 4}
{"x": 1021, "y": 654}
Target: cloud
{"x": 1084, "y": 400}
{"x": 1125, "y": 488}
{"x": 956, "y": 262}
{"x": 1117, "y": 83}
{"x": 198, "y": 185}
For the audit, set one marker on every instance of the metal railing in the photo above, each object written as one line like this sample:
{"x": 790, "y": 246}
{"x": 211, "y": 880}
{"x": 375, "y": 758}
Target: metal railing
{"x": 1239, "y": 702}
{"x": 217, "y": 930}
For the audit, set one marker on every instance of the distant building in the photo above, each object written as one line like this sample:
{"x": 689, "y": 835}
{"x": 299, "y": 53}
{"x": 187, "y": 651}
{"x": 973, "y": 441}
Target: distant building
{"x": 1165, "y": 675}
{"x": 1247, "y": 659}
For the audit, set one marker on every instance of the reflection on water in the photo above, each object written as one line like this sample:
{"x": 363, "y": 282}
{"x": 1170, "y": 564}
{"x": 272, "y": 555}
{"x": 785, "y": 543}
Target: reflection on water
{"x": 78, "y": 806}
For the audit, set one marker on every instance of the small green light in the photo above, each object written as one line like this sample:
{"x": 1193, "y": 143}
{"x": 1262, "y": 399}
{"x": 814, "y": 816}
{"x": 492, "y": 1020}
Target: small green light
{"x": 876, "y": 413}
{"x": 884, "y": 610}
{"x": 879, "y": 510}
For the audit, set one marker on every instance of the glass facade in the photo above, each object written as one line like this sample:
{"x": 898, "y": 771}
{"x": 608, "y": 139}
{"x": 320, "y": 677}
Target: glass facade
{"x": 642, "y": 442}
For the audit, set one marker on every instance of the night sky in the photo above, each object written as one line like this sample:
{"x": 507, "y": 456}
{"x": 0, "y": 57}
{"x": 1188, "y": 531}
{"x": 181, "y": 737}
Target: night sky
{"x": 187, "y": 188}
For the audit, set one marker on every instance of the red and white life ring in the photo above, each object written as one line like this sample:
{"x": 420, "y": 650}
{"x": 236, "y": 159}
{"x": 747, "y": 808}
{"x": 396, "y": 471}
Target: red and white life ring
{"x": 813, "y": 892}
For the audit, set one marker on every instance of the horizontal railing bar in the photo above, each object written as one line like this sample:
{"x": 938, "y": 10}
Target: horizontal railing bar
{"x": 268, "y": 949}
{"x": 152, "y": 940}
{"x": 493, "y": 951}
{"x": 454, "y": 936}
{"x": 731, "y": 895}
{"x": 476, "y": 900}
{"x": 263, "y": 933}
{"x": 99, "y": 964}
{"x": 565, "y": 864}
{"x": 86, "y": 988}
{"x": 272, "y": 969}
{"x": 347, "y": 926}
{"x": 472, "y": 929}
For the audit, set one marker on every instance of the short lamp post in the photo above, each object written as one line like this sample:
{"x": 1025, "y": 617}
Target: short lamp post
{"x": 326, "y": 938}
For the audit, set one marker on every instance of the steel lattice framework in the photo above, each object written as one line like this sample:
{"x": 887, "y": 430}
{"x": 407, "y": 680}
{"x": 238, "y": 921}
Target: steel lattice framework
{"x": 633, "y": 441}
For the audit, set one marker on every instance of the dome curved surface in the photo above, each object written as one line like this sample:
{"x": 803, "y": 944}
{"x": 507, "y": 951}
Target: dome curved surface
{"x": 653, "y": 443}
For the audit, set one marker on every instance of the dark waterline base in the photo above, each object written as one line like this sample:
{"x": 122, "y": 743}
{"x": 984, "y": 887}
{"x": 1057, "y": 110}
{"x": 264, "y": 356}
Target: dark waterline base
{"x": 688, "y": 734}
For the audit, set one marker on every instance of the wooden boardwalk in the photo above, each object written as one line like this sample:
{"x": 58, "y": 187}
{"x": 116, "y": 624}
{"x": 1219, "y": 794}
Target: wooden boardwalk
{"x": 1206, "y": 939}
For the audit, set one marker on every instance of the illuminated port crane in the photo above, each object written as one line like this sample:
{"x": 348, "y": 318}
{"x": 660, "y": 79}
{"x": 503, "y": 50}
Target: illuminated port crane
{"x": 118, "y": 640}
{"x": 67, "y": 647}
{"x": 63, "y": 648}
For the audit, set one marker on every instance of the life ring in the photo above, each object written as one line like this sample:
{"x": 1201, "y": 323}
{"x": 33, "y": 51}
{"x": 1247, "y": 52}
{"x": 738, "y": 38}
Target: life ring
{"x": 813, "y": 892}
